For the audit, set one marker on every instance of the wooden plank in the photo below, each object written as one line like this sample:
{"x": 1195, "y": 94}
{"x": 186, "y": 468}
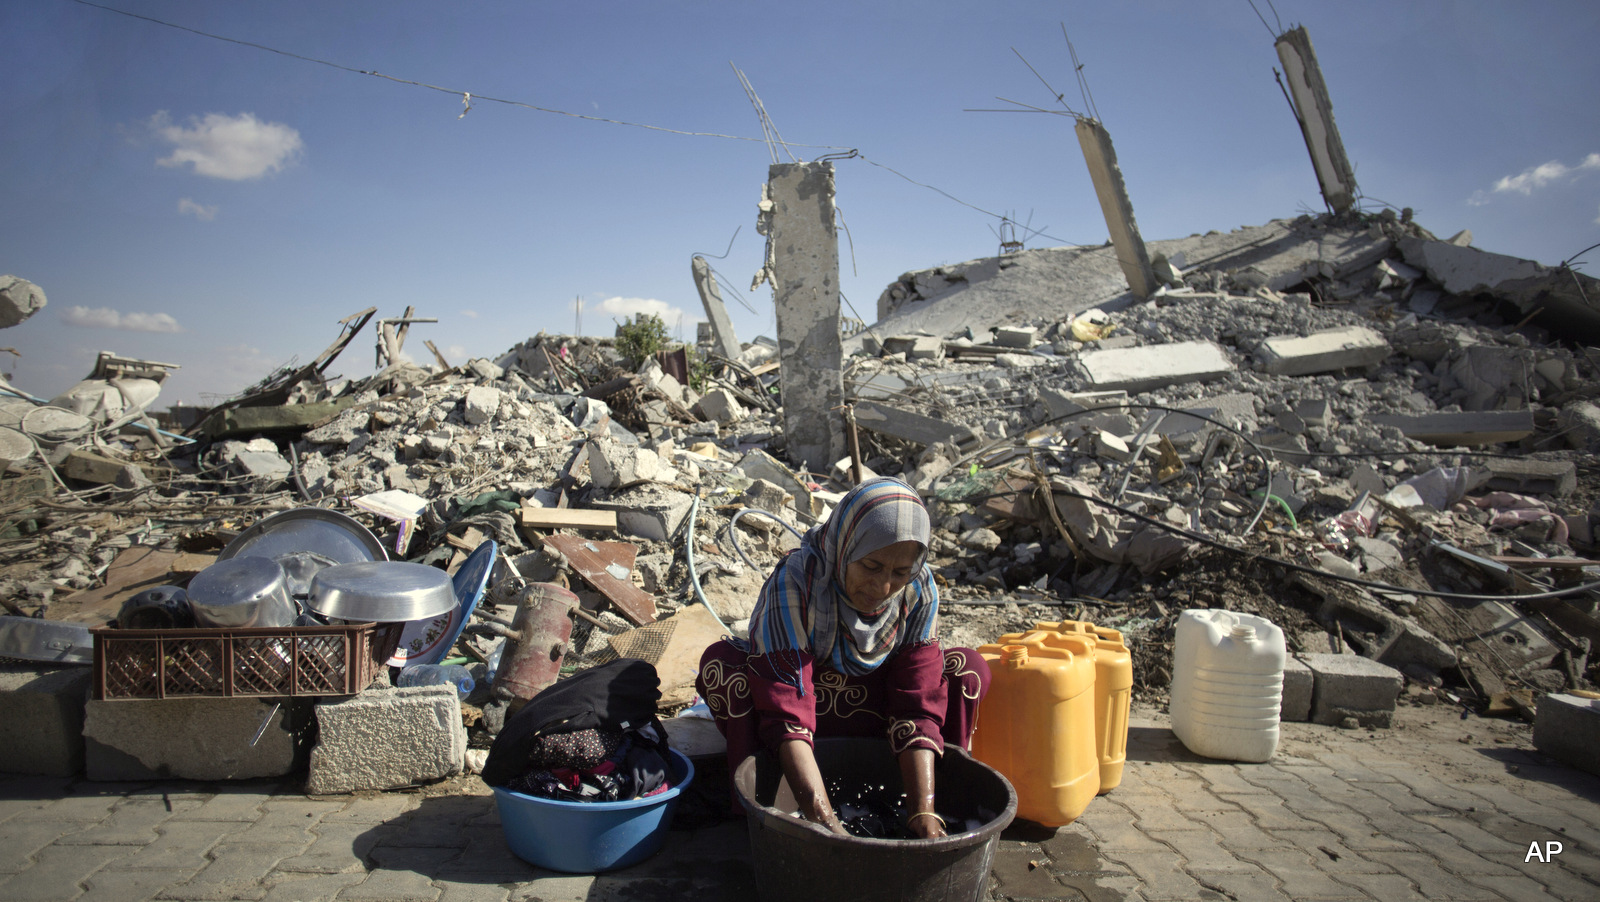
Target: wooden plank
{"x": 608, "y": 567}
{"x": 567, "y": 517}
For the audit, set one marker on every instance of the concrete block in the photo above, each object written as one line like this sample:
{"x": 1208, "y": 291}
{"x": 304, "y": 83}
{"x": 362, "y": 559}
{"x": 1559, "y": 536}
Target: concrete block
{"x": 481, "y": 404}
{"x": 1527, "y": 476}
{"x": 386, "y": 739}
{"x": 648, "y": 512}
{"x": 191, "y": 739}
{"x": 719, "y": 406}
{"x": 1352, "y": 686}
{"x": 1567, "y": 728}
{"x": 1109, "y": 446}
{"x": 1322, "y": 352}
{"x": 1154, "y": 366}
{"x": 41, "y": 720}
{"x": 1488, "y": 427}
{"x": 613, "y": 464}
{"x": 758, "y": 464}
{"x": 1580, "y": 422}
{"x": 1297, "y": 688}
{"x": 1314, "y": 413}
{"x": 1014, "y": 336}
{"x": 1020, "y": 361}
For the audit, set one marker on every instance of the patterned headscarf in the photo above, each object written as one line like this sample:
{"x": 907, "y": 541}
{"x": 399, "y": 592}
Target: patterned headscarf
{"x": 802, "y": 605}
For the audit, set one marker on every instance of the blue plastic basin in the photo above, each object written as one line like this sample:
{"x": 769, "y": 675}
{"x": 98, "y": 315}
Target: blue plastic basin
{"x": 589, "y": 837}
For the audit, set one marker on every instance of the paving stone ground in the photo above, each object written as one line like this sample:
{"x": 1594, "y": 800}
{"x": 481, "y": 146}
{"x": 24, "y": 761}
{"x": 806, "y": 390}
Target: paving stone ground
{"x": 1439, "y": 807}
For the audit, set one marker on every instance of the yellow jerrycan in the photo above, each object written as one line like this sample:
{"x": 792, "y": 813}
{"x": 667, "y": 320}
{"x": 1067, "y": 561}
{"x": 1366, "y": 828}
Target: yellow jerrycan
{"x": 1113, "y": 695}
{"x": 1036, "y": 724}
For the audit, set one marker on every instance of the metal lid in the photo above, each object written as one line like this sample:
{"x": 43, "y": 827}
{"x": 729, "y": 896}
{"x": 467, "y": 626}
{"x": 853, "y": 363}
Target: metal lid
{"x": 381, "y": 592}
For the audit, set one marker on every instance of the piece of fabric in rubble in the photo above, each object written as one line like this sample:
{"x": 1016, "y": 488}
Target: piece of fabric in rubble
{"x": 1107, "y": 536}
{"x": 1509, "y": 510}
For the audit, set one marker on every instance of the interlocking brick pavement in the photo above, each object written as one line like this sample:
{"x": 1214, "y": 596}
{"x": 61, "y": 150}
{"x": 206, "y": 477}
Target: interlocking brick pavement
{"x": 1437, "y": 807}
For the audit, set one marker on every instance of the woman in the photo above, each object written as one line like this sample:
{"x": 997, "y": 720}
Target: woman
{"x": 844, "y": 642}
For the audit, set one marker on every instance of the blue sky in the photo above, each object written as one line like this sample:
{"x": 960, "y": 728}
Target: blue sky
{"x": 199, "y": 202}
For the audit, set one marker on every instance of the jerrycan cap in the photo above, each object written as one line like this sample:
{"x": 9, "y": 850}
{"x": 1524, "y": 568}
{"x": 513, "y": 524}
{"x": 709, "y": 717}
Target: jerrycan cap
{"x": 1244, "y": 633}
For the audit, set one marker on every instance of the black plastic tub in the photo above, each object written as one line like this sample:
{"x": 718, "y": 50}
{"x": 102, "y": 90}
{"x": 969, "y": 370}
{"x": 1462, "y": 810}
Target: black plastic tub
{"x": 799, "y": 861}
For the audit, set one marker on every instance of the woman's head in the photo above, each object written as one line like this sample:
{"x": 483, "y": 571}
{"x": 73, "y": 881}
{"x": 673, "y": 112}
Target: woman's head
{"x": 878, "y": 539}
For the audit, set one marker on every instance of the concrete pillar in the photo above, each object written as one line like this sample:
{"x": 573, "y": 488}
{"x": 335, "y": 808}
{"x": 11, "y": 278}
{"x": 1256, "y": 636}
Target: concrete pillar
{"x": 721, "y": 327}
{"x": 1114, "y": 203}
{"x": 805, "y": 291}
{"x": 1310, "y": 93}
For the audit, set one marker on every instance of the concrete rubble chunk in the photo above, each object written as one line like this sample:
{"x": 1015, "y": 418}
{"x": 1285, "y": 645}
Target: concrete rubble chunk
{"x": 387, "y": 739}
{"x": 482, "y": 402}
{"x": 1322, "y": 352}
{"x": 1580, "y": 423}
{"x": 1155, "y": 366}
{"x": 1567, "y": 728}
{"x": 912, "y": 427}
{"x": 719, "y": 406}
{"x": 613, "y": 464}
{"x": 648, "y": 512}
{"x": 1352, "y": 686}
{"x": 1015, "y": 336}
{"x": 41, "y": 720}
{"x": 19, "y": 299}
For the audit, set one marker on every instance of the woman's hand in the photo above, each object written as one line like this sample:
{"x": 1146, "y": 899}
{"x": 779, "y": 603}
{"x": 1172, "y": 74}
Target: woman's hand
{"x": 916, "y": 775}
{"x": 805, "y": 781}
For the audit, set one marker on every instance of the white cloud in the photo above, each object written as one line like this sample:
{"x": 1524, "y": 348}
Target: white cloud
{"x": 1526, "y": 181}
{"x": 470, "y": 314}
{"x": 199, "y": 211}
{"x": 228, "y": 147}
{"x": 624, "y": 307}
{"x": 455, "y": 352}
{"x": 106, "y": 318}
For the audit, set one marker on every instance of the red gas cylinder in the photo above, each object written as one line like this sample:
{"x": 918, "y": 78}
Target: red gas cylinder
{"x": 540, "y": 632}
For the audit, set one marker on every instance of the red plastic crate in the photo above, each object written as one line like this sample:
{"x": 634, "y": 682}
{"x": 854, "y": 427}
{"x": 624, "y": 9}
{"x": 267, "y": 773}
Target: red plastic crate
{"x": 244, "y": 662}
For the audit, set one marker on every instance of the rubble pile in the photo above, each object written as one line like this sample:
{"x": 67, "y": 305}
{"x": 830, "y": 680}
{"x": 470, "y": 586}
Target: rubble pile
{"x": 1305, "y": 423}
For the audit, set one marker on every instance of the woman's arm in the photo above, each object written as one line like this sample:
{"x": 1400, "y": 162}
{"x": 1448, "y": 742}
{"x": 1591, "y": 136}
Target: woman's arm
{"x": 805, "y": 781}
{"x": 916, "y": 775}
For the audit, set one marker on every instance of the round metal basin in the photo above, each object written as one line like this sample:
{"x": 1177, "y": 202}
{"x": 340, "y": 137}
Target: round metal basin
{"x": 316, "y": 529}
{"x": 381, "y": 592}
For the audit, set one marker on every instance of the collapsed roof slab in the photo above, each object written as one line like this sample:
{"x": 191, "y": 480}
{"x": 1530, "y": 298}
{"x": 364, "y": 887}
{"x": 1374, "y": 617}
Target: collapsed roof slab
{"x": 1555, "y": 295}
{"x": 1155, "y": 366}
{"x": 1487, "y": 427}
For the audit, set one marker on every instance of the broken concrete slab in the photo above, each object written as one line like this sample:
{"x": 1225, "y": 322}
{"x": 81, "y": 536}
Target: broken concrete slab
{"x": 387, "y": 739}
{"x": 727, "y": 344}
{"x": 1352, "y": 686}
{"x": 41, "y": 719}
{"x": 1559, "y": 296}
{"x": 758, "y": 464}
{"x": 191, "y": 738}
{"x": 1567, "y": 728}
{"x": 1015, "y": 336}
{"x": 1323, "y": 352}
{"x": 911, "y": 427}
{"x": 1155, "y": 366}
{"x": 19, "y": 299}
{"x": 719, "y": 406}
{"x": 1489, "y": 427}
{"x": 1527, "y": 476}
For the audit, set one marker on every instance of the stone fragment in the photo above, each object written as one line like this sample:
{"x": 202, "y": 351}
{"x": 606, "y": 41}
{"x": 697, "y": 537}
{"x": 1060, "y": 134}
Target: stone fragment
{"x": 1580, "y": 421}
{"x": 647, "y": 512}
{"x": 387, "y": 739}
{"x": 1527, "y": 476}
{"x": 982, "y": 539}
{"x": 1322, "y": 352}
{"x": 613, "y": 464}
{"x": 1352, "y": 686}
